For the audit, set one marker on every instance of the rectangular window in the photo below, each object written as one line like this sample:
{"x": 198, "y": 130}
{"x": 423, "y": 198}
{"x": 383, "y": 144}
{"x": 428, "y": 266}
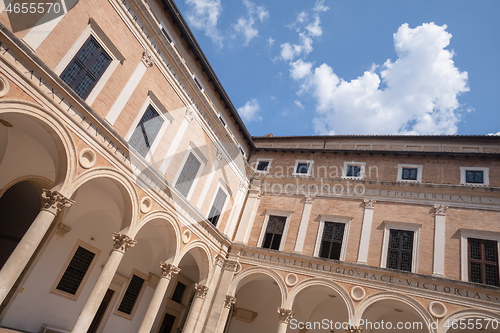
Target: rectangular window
{"x": 331, "y": 242}
{"x": 180, "y": 288}
{"x": 274, "y": 232}
{"x": 353, "y": 171}
{"x": 400, "y": 250}
{"x": 167, "y": 36}
{"x": 86, "y": 68}
{"x": 76, "y": 270}
{"x": 409, "y": 174}
{"x": 146, "y": 131}
{"x": 263, "y": 166}
{"x": 218, "y": 205}
{"x": 483, "y": 261}
{"x": 474, "y": 176}
{"x": 131, "y": 295}
{"x": 188, "y": 174}
{"x": 303, "y": 168}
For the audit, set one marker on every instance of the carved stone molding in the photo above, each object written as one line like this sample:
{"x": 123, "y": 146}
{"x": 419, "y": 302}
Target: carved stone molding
{"x": 200, "y": 290}
{"x": 55, "y": 201}
{"x": 440, "y": 210}
{"x": 62, "y": 230}
{"x": 147, "y": 59}
{"x": 231, "y": 265}
{"x": 285, "y": 315}
{"x": 122, "y": 242}
{"x": 369, "y": 203}
{"x": 168, "y": 270}
{"x": 220, "y": 260}
{"x": 189, "y": 114}
{"x": 310, "y": 198}
{"x": 218, "y": 156}
{"x": 353, "y": 330}
{"x": 229, "y": 301}
{"x": 243, "y": 187}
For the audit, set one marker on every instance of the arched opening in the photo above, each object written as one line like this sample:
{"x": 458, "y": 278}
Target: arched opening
{"x": 319, "y": 308}
{"x": 19, "y": 206}
{"x": 255, "y": 310}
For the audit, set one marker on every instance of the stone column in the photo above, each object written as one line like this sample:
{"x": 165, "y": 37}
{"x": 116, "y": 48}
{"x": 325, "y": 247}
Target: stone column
{"x": 439, "y": 239}
{"x": 194, "y": 312}
{"x": 366, "y": 230}
{"x": 121, "y": 244}
{"x": 217, "y": 320}
{"x": 284, "y": 317}
{"x": 306, "y": 214}
{"x": 54, "y": 203}
{"x": 167, "y": 271}
{"x": 248, "y": 216}
{"x": 228, "y": 303}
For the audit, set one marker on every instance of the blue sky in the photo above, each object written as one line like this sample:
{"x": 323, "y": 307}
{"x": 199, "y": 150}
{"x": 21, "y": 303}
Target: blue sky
{"x": 296, "y": 67}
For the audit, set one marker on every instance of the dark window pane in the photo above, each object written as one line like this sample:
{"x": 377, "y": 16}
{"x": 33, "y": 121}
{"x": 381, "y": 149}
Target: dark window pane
{"x": 262, "y": 166}
{"x": 409, "y": 174}
{"x": 69, "y": 76}
{"x": 130, "y": 297}
{"x": 475, "y": 272}
{"x": 302, "y": 168}
{"x": 178, "y": 292}
{"x": 188, "y": 174}
{"x": 474, "y": 176}
{"x": 331, "y": 245}
{"x": 353, "y": 171}
{"x": 483, "y": 261}
{"x": 146, "y": 131}
{"x": 400, "y": 252}
{"x": 76, "y": 270}
{"x": 218, "y": 205}
{"x": 274, "y": 232}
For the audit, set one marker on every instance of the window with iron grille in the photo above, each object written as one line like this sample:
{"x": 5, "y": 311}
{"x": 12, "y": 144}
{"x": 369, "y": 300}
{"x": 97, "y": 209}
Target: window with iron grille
{"x": 188, "y": 174}
{"x": 76, "y": 270}
{"x": 274, "y": 232}
{"x": 400, "y": 250}
{"x": 331, "y": 242}
{"x": 353, "y": 171}
{"x": 474, "y": 176}
{"x": 86, "y": 68}
{"x": 483, "y": 261}
{"x": 218, "y": 205}
{"x": 146, "y": 131}
{"x": 130, "y": 297}
{"x": 409, "y": 174}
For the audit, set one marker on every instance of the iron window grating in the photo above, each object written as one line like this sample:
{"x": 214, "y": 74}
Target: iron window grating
{"x": 131, "y": 295}
{"x": 76, "y": 270}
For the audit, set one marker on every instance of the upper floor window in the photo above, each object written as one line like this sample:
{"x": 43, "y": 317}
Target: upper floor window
{"x": 274, "y": 232}
{"x": 483, "y": 261}
{"x": 331, "y": 242}
{"x": 188, "y": 175}
{"x": 217, "y": 207}
{"x": 410, "y": 173}
{"x": 354, "y": 170}
{"x": 302, "y": 167}
{"x": 86, "y": 68}
{"x": 146, "y": 131}
{"x": 263, "y": 165}
{"x": 400, "y": 251}
{"x": 474, "y": 176}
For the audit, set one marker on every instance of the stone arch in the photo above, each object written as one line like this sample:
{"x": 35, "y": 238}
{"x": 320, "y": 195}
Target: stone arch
{"x": 40, "y": 122}
{"x": 393, "y": 298}
{"x": 320, "y": 282}
{"x": 493, "y": 320}
{"x": 126, "y": 188}
{"x": 201, "y": 254}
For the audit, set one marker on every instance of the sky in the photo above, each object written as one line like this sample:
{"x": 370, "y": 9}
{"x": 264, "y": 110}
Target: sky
{"x": 384, "y": 67}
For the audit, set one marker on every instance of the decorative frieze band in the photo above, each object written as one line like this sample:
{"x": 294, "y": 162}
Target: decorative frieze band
{"x": 122, "y": 242}
{"x": 200, "y": 290}
{"x": 168, "y": 270}
{"x": 285, "y": 315}
{"x": 229, "y": 301}
{"x": 55, "y": 201}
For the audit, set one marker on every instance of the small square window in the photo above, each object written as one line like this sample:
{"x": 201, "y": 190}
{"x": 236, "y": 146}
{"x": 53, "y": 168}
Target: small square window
{"x": 353, "y": 170}
{"x": 302, "y": 168}
{"x": 410, "y": 173}
{"x": 474, "y": 175}
{"x": 263, "y": 166}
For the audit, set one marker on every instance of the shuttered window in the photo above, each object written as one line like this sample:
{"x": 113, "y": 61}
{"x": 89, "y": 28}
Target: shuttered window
{"x": 483, "y": 261}
{"x": 274, "y": 232}
{"x": 146, "y": 131}
{"x": 400, "y": 252}
{"x": 331, "y": 242}
{"x": 86, "y": 68}
{"x": 188, "y": 174}
{"x": 131, "y": 295}
{"x": 216, "y": 211}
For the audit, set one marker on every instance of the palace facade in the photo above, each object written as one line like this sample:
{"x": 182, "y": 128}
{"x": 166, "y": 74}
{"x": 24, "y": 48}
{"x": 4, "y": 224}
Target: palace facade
{"x": 133, "y": 198}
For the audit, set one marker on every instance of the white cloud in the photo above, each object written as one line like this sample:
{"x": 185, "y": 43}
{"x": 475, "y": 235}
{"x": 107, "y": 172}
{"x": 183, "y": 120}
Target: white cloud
{"x": 246, "y": 25}
{"x": 416, "y": 94}
{"x": 270, "y": 42}
{"x": 299, "y": 104}
{"x": 204, "y": 15}
{"x": 250, "y": 110}
{"x": 320, "y": 6}
{"x": 497, "y": 133}
{"x": 291, "y": 51}
{"x": 314, "y": 28}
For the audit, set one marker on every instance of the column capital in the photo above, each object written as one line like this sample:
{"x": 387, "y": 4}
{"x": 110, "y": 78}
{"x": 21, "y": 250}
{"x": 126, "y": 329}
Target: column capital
{"x": 440, "y": 210}
{"x": 353, "y": 329}
{"x": 168, "y": 270}
{"x": 200, "y": 290}
{"x": 55, "y": 201}
{"x": 369, "y": 203}
{"x": 147, "y": 59}
{"x": 189, "y": 114}
{"x": 231, "y": 265}
{"x": 122, "y": 242}
{"x": 310, "y": 198}
{"x": 218, "y": 155}
{"x": 285, "y": 315}
{"x": 229, "y": 301}
{"x": 219, "y": 260}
